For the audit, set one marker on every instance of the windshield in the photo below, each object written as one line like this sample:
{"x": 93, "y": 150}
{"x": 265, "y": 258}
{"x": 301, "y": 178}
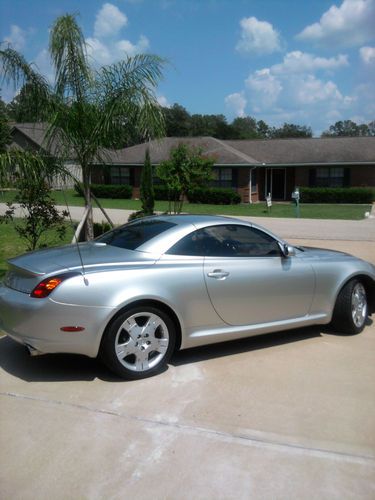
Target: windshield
{"x": 133, "y": 235}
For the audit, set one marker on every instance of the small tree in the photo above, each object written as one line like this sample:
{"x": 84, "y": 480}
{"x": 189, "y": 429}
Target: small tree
{"x": 31, "y": 174}
{"x": 41, "y": 213}
{"x": 147, "y": 188}
{"x": 185, "y": 170}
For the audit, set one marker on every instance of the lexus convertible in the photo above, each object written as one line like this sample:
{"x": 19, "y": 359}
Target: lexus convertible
{"x": 140, "y": 292}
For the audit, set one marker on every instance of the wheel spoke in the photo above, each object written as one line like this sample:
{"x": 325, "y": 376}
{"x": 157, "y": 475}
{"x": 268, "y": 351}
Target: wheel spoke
{"x": 359, "y": 305}
{"x": 141, "y": 361}
{"x": 151, "y": 325}
{"x": 160, "y": 345}
{"x": 131, "y": 326}
{"x": 123, "y": 350}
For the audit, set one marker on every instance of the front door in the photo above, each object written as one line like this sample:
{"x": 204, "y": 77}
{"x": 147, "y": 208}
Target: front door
{"x": 276, "y": 183}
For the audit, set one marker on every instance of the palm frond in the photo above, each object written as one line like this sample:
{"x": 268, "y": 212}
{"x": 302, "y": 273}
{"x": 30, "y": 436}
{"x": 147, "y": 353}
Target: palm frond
{"x": 17, "y": 71}
{"x": 67, "y": 47}
{"x": 30, "y": 166}
{"x": 126, "y": 95}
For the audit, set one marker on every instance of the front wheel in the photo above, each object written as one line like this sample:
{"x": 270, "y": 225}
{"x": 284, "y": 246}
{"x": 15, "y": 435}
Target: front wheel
{"x": 139, "y": 343}
{"x": 351, "y": 311}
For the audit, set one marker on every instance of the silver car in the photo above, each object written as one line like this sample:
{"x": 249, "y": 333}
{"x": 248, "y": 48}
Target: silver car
{"x": 139, "y": 292}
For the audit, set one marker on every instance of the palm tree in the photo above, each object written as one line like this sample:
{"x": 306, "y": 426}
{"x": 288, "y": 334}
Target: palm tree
{"x": 89, "y": 108}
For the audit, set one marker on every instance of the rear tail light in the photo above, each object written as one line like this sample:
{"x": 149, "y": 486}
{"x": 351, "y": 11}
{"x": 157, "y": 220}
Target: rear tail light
{"x": 45, "y": 287}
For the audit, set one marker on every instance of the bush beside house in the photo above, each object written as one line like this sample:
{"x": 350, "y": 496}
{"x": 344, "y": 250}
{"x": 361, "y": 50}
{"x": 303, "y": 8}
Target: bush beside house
{"x": 336, "y": 195}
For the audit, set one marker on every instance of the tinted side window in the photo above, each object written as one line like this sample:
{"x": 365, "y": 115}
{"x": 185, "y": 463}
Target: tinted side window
{"x": 135, "y": 234}
{"x": 195, "y": 243}
{"x": 229, "y": 240}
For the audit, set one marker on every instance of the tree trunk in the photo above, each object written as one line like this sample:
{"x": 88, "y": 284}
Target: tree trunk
{"x": 86, "y": 180}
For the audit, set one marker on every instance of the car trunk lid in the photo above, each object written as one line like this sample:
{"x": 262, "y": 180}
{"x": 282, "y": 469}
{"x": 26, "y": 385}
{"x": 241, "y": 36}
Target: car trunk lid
{"x": 27, "y": 270}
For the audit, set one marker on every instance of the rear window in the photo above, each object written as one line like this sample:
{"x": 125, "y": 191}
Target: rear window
{"x": 133, "y": 235}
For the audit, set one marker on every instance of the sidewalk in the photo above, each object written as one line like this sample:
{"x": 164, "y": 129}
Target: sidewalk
{"x": 304, "y": 229}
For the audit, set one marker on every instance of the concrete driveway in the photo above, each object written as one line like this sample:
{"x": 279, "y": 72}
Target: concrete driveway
{"x": 283, "y": 416}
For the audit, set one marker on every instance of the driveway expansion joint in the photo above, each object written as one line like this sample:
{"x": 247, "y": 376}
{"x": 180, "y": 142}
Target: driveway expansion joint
{"x": 240, "y": 438}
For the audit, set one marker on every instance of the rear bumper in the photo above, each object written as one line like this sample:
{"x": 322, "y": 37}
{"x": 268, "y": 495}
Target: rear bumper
{"x": 36, "y": 323}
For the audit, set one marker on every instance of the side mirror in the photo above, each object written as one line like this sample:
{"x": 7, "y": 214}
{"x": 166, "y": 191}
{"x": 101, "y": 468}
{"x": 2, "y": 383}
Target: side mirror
{"x": 287, "y": 250}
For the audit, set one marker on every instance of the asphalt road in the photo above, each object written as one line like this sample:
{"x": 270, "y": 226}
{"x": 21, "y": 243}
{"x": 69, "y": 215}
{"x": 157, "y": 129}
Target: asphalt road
{"x": 283, "y": 416}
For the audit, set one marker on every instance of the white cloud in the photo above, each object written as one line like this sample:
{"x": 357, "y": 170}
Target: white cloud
{"x": 310, "y": 90}
{"x": 265, "y": 86}
{"x": 105, "y": 47}
{"x": 163, "y": 101}
{"x": 109, "y": 21}
{"x": 108, "y": 53}
{"x": 350, "y": 24}
{"x": 258, "y": 37}
{"x": 16, "y": 37}
{"x": 367, "y": 54}
{"x": 300, "y": 89}
{"x": 236, "y": 103}
{"x": 125, "y": 47}
{"x": 302, "y": 62}
{"x": 99, "y": 51}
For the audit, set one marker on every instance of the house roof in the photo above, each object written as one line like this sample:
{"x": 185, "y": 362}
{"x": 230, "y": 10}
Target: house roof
{"x": 340, "y": 150}
{"x": 223, "y": 154}
{"x": 34, "y": 134}
{"x": 309, "y": 151}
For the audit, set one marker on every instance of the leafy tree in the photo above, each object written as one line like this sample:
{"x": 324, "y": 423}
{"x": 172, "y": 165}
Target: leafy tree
{"x": 348, "y": 128}
{"x": 291, "y": 130}
{"x": 244, "y": 128}
{"x": 185, "y": 170}
{"x": 263, "y": 130}
{"x": 5, "y": 137}
{"x": 209, "y": 125}
{"x": 87, "y": 108}
{"x": 147, "y": 188}
{"x": 177, "y": 121}
{"x": 31, "y": 175}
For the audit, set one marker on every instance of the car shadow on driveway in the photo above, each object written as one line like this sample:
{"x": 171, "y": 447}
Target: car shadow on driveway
{"x": 15, "y": 360}
{"x": 247, "y": 344}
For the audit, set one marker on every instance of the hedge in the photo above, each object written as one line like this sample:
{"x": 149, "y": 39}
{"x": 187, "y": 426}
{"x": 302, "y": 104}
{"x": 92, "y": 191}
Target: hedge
{"x": 161, "y": 192}
{"x": 336, "y": 195}
{"x": 214, "y": 196}
{"x": 121, "y": 191}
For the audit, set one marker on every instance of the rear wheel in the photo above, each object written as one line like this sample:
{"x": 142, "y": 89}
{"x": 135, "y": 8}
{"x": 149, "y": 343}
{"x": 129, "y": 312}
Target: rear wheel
{"x": 351, "y": 311}
{"x": 139, "y": 343}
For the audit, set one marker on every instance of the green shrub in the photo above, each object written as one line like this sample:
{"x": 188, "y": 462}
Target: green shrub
{"x": 214, "y": 196}
{"x": 336, "y": 195}
{"x": 101, "y": 228}
{"x": 118, "y": 191}
{"x": 161, "y": 192}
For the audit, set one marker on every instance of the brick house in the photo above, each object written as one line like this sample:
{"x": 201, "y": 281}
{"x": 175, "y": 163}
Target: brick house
{"x": 253, "y": 168}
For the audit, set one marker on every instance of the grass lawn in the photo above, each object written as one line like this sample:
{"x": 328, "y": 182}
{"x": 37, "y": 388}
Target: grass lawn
{"x": 12, "y": 245}
{"x": 307, "y": 211}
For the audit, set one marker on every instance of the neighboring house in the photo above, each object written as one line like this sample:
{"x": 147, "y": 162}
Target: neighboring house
{"x": 253, "y": 168}
{"x": 31, "y": 137}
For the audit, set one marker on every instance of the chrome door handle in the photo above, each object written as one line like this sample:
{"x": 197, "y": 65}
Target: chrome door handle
{"x": 218, "y": 274}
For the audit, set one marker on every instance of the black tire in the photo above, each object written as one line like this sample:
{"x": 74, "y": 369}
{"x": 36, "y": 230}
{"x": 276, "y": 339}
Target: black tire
{"x": 351, "y": 309}
{"x": 138, "y": 343}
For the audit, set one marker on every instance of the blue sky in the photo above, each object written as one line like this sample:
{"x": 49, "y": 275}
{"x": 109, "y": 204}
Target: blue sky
{"x": 310, "y": 62}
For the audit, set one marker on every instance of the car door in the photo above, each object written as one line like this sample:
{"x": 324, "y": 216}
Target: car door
{"x": 249, "y": 281}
